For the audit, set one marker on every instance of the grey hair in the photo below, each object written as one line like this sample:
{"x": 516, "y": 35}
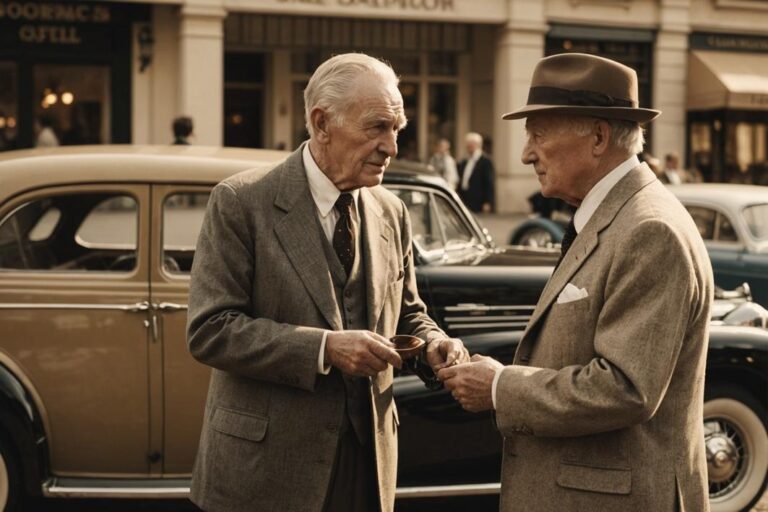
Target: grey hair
{"x": 474, "y": 137}
{"x": 626, "y": 135}
{"x": 332, "y": 82}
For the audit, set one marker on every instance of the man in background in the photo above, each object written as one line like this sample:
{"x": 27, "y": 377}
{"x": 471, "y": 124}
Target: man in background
{"x": 476, "y": 176}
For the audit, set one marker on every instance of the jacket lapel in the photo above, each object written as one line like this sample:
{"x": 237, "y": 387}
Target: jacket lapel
{"x": 299, "y": 235}
{"x": 587, "y": 241}
{"x": 376, "y": 240}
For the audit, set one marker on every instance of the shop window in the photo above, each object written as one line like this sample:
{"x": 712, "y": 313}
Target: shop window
{"x": 73, "y": 232}
{"x": 704, "y": 218}
{"x": 9, "y": 114}
{"x": 72, "y": 105}
{"x": 443, "y": 99}
{"x": 746, "y": 148}
{"x": 701, "y": 149}
{"x": 182, "y": 220}
{"x": 244, "y": 99}
{"x": 407, "y": 140}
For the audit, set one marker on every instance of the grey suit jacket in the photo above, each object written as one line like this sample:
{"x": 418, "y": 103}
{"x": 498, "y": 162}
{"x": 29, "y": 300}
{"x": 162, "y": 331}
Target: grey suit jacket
{"x": 261, "y": 296}
{"x": 602, "y": 408}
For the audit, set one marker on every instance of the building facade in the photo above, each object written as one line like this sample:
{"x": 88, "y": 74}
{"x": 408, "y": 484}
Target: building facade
{"x": 121, "y": 71}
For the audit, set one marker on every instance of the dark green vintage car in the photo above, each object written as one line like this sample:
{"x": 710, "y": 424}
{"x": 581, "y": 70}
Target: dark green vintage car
{"x": 99, "y": 396}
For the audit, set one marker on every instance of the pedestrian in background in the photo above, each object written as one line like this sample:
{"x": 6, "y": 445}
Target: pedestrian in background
{"x": 444, "y": 164}
{"x": 602, "y": 407}
{"x": 182, "y": 130}
{"x": 46, "y": 135}
{"x": 476, "y": 176}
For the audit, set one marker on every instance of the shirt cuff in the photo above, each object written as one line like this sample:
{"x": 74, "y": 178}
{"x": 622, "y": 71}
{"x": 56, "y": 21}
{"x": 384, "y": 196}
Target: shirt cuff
{"x": 493, "y": 386}
{"x": 322, "y": 368}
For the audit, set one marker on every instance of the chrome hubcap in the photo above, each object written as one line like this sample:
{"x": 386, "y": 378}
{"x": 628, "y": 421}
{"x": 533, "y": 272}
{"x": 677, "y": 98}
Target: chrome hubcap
{"x": 726, "y": 459}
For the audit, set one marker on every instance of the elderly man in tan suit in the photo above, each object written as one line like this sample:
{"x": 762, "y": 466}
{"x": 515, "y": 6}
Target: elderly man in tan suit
{"x": 602, "y": 408}
{"x": 301, "y": 275}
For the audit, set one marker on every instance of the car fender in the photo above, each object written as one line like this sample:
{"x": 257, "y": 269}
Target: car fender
{"x": 21, "y": 423}
{"x": 552, "y": 227}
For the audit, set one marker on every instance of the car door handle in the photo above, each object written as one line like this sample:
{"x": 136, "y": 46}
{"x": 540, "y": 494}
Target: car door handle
{"x": 170, "y": 306}
{"x": 137, "y": 308}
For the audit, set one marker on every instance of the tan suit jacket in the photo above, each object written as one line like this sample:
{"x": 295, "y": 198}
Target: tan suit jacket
{"x": 602, "y": 408}
{"x": 260, "y": 297}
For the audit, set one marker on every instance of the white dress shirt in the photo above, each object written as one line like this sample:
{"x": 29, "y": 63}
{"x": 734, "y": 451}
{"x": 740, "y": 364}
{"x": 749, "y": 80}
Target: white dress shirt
{"x": 324, "y": 193}
{"x": 585, "y": 211}
{"x": 469, "y": 168}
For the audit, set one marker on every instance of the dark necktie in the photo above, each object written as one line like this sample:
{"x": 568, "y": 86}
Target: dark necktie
{"x": 568, "y": 237}
{"x": 343, "y": 234}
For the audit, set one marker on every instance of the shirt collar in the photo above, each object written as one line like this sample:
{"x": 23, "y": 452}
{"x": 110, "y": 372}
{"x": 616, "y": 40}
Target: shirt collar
{"x": 324, "y": 192}
{"x": 601, "y": 189}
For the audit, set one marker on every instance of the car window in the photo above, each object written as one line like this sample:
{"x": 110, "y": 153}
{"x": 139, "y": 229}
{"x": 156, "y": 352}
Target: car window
{"x": 182, "y": 219}
{"x": 704, "y": 219}
{"x": 725, "y": 231}
{"x": 424, "y": 220}
{"x": 756, "y": 217}
{"x": 71, "y": 232}
{"x": 456, "y": 231}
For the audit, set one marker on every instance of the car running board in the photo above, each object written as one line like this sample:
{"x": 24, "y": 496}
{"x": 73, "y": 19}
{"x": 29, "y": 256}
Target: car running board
{"x": 179, "y": 488}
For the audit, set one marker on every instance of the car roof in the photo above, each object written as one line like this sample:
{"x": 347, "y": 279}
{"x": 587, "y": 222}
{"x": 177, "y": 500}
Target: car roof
{"x": 28, "y": 169}
{"x": 728, "y": 195}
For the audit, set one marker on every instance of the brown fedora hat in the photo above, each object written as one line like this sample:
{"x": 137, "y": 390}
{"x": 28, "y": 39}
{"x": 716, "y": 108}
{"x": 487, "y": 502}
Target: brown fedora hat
{"x": 578, "y": 83}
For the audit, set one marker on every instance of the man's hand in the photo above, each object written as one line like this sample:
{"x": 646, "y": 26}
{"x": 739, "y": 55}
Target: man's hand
{"x": 360, "y": 353}
{"x": 446, "y": 352}
{"x": 471, "y": 383}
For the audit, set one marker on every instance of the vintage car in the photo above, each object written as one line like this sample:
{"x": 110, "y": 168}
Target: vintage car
{"x": 732, "y": 220}
{"x": 99, "y": 396}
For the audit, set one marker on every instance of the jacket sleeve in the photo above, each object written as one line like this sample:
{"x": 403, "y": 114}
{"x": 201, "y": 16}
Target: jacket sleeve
{"x": 640, "y": 330}
{"x": 414, "y": 319}
{"x": 222, "y": 331}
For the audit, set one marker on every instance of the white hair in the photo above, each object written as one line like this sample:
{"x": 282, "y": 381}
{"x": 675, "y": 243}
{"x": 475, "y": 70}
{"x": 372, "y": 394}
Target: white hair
{"x": 625, "y": 135}
{"x": 474, "y": 137}
{"x": 333, "y": 81}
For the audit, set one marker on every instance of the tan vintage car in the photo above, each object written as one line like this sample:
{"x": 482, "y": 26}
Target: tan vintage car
{"x": 93, "y": 323}
{"x": 99, "y": 396}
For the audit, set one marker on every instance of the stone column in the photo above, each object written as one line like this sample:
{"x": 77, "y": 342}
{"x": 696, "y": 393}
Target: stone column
{"x": 670, "y": 76}
{"x": 201, "y": 68}
{"x": 520, "y": 45}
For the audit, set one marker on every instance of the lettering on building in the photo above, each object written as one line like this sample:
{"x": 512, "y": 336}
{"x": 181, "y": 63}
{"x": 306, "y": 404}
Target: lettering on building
{"x": 404, "y": 5}
{"x": 737, "y": 43}
{"x": 52, "y": 23}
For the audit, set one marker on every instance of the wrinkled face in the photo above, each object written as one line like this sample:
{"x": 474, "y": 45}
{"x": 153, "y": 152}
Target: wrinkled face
{"x": 359, "y": 149}
{"x": 560, "y": 157}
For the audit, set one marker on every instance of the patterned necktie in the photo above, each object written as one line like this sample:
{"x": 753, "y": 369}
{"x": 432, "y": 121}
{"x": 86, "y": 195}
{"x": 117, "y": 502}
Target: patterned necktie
{"x": 344, "y": 234}
{"x": 568, "y": 237}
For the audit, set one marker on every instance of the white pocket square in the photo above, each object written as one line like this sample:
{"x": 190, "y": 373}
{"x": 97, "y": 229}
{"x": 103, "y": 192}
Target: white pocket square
{"x": 570, "y": 293}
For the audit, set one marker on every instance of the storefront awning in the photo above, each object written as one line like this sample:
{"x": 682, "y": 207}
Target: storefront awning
{"x": 727, "y": 80}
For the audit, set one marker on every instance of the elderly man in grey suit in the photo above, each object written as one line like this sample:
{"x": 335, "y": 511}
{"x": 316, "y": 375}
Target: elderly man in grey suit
{"x": 602, "y": 408}
{"x": 301, "y": 275}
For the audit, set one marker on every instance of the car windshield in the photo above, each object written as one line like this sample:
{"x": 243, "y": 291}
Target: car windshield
{"x": 756, "y": 217}
{"x": 438, "y": 228}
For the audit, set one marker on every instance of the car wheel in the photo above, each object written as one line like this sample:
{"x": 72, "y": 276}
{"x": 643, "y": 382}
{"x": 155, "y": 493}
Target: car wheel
{"x": 534, "y": 237}
{"x": 10, "y": 483}
{"x": 737, "y": 448}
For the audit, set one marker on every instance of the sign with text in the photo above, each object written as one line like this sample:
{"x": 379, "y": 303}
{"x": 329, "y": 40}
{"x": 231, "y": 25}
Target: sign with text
{"x": 63, "y": 25}
{"x": 464, "y": 11}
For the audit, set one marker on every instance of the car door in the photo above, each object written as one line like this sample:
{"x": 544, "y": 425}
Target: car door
{"x": 74, "y": 292}
{"x": 178, "y": 211}
{"x": 725, "y": 250}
